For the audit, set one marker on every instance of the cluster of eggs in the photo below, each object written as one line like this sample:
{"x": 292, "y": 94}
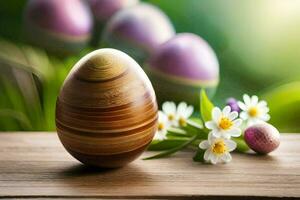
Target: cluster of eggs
{"x": 106, "y": 112}
{"x": 174, "y": 63}
{"x": 66, "y": 26}
{"x": 115, "y": 118}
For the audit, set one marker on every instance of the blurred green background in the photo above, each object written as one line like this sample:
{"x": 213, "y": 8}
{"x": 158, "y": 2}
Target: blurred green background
{"x": 257, "y": 43}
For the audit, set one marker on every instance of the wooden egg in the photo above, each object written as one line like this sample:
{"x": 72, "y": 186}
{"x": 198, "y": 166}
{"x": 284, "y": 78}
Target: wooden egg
{"x": 106, "y": 112}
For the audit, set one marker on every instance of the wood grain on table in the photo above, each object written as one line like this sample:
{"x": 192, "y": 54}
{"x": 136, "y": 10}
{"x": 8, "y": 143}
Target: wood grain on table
{"x": 36, "y": 166}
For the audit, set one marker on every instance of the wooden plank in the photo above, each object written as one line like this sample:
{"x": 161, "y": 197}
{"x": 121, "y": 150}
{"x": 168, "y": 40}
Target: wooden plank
{"x": 35, "y": 165}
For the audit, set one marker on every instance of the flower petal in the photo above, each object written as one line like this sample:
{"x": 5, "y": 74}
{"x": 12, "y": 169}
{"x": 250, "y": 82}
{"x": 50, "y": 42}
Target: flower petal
{"x": 226, "y": 157}
{"x": 244, "y": 115}
{"x": 237, "y": 122}
{"x": 160, "y": 135}
{"x": 169, "y": 107}
{"x": 254, "y": 100}
{"x": 262, "y": 103}
{"x": 216, "y": 114}
{"x": 264, "y": 109}
{"x": 204, "y": 144}
{"x": 162, "y": 117}
{"x": 210, "y": 125}
{"x": 188, "y": 112}
{"x": 207, "y": 155}
{"x": 247, "y": 99}
{"x": 226, "y": 135}
{"x": 235, "y": 132}
{"x": 181, "y": 108}
{"x": 211, "y": 138}
{"x": 242, "y": 105}
{"x": 265, "y": 117}
{"x": 226, "y": 111}
{"x": 231, "y": 145}
{"x": 233, "y": 115}
{"x": 213, "y": 159}
{"x": 216, "y": 134}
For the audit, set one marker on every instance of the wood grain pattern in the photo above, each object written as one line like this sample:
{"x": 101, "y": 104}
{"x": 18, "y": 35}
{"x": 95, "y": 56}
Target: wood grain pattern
{"x": 106, "y": 112}
{"x": 35, "y": 165}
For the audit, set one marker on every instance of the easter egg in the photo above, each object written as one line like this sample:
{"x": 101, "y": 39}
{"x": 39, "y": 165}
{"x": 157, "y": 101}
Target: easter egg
{"x": 104, "y": 9}
{"x": 60, "y": 26}
{"x": 233, "y": 104}
{"x": 181, "y": 67}
{"x": 262, "y": 138}
{"x": 106, "y": 112}
{"x": 138, "y": 30}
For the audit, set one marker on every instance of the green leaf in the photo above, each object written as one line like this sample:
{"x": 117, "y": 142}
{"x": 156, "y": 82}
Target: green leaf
{"x": 284, "y": 101}
{"x": 176, "y": 130}
{"x": 199, "y": 156}
{"x": 166, "y": 144}
{"x": 195, "y": 122}
{"x": 19, "y": 116}
{"x": 173, "y": 150}
{"x": 241, "y": 147}
{"x": 206, "y": 106}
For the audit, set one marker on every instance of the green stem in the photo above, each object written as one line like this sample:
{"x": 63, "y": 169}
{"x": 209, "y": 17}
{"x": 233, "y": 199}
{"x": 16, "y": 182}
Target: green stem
{"x": 174, "y": 150}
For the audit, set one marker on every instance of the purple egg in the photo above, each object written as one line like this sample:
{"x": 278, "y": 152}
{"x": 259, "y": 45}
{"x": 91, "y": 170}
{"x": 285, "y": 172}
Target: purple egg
{"x": 262, "y": 138}
{"x": 138, "y": 30}
{"x": 181, "y": 67}
{"x": 232, "y": 102}
{"x": 58, "y": 25}
{"x": 104, "y": 9}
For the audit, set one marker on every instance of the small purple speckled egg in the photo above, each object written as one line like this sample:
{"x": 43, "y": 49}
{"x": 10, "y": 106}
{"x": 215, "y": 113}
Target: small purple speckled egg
{"x": 181, "y": 67}
{"x": 60, "y": 26}
{"x": 262, "y": 138}
{"x": 138, "y": 30}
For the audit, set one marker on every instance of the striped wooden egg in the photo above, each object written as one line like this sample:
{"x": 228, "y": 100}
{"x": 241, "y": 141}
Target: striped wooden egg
{"x": 106, "y": 112}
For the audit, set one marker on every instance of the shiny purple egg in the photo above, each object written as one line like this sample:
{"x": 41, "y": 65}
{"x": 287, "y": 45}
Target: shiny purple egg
{"x": 233, "y": 103}
{"x": 61, "y": 26}
{"x": 262, "y": 138}
{"x": 181, "y": 67}
{"x": 104, "y": 9}
{"x": 138, "y": 30}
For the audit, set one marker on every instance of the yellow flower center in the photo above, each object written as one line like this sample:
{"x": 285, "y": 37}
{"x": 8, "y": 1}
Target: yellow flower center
{"x": 182, "y": 121}
{"x": 219, "y": 147}
{"x": 225, "y": 123}
{"x": 161, "y": 126}
{"x": 253, "y": 112}
{"x": 171, "y": 117}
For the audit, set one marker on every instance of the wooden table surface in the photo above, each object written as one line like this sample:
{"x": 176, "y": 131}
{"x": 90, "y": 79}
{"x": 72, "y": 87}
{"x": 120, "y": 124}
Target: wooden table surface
{"x": 36, "y": 166}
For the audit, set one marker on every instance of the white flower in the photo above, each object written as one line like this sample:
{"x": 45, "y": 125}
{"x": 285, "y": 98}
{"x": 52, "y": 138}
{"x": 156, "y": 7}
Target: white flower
{"x": 253, "y": 111}
{"x": 183, "y": 113}
{"x": 169, "y": 108}
{"x": 163, "y": 125}
{"x": 217, "y": 149}
{"x": 224, "y": 123}
{"x": 177, "y": 117}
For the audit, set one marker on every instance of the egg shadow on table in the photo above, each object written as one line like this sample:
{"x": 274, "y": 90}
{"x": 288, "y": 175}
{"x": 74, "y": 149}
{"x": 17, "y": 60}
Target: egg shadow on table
{"x": 265, "y": 157}
{"x": 84, "y": 170}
